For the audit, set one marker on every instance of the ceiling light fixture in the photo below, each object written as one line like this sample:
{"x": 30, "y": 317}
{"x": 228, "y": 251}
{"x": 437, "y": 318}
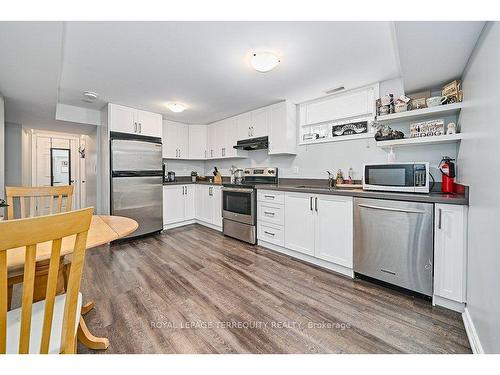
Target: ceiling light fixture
{"x": 176, "y": 107}
{"x": 264, "y": 61}
{"x": 336, "y": 89}
{"x": 89, "y": 96}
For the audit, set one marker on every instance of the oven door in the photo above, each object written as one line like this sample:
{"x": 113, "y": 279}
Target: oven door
{"x": 389, "y": 177}
{"x": 238, "y": 204}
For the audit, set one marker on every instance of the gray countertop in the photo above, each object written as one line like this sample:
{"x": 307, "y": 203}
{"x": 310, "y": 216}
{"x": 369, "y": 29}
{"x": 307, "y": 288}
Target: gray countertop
{"x": 433, "y": 197}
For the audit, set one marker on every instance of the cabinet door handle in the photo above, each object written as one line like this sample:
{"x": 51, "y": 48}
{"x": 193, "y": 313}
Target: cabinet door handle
{"x": 316, "y": 204}
{"x": 179, "y": 152}
{"x": 135, "y": 127}
{"x": 140, "y": 128}
{"x": 311, "y": 203}
{"x": 269, "y": 196}
{"x": 439, "y": 217}
{"x": 268, "y": 213}
{"x": 269, "y": 233}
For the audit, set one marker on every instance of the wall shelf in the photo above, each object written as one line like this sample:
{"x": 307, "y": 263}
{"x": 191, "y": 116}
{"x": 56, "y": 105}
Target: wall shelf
{"x": 422, "y": 114}
{"x": 441, "y": 139}
{"x": 338, "y": 139}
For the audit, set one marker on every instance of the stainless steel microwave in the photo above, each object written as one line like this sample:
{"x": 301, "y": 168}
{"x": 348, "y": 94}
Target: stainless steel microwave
{"x": 410, "y": 177}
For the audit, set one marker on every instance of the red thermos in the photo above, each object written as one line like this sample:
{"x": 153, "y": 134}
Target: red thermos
{"x": 447, "y": 168}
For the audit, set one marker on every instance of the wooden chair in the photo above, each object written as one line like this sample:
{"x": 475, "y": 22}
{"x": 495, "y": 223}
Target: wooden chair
{"x": 38, "y": 201}
{"x": 50, "y": 325}
{"x": 32, "y": 200}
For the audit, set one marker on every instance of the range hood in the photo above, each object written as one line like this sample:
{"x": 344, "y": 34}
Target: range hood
{"x": 259, "y": 143}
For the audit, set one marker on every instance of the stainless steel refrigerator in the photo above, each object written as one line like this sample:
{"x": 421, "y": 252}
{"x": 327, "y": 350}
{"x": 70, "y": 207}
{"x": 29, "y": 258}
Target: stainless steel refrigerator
{"x": 137, "y": 181}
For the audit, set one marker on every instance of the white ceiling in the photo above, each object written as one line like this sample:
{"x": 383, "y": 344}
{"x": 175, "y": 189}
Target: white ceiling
{"x": 205, "y": 64}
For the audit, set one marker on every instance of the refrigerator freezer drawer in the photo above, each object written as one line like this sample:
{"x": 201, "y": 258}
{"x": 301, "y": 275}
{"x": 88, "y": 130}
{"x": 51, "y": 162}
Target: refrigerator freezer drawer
{"x": 139, "y": 198}
{"x": 131, "y": 155}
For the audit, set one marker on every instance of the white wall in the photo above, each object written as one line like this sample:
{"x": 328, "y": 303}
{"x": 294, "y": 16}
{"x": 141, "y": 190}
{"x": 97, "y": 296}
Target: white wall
{"x": 13, "y": 154}
{"x": 2, "y": 150}
{"x": 479, "y": 166}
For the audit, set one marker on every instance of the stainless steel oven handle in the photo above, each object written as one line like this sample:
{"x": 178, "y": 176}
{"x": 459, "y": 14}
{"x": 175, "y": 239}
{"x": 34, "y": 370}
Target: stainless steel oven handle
{"x": 238, "y": 190}
{"x": 391, "y": 209}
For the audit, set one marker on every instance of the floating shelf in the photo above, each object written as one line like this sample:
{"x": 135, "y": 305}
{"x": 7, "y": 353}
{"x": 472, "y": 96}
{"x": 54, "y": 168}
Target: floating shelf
{"x": 441, "y": 139}
{"x": 422, "y": 114}
{"x": 338, "y": 139}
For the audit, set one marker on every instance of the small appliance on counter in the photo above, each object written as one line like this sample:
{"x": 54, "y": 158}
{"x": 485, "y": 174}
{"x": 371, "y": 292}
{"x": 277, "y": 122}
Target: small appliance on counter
{"x": 239, "y": 203}
{"x": 447, "y": 168}
{"x": 407, "y": 177}
{"x": 168, "y": 176}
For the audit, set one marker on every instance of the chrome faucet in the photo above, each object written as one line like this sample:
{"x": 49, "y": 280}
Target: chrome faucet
{"x": 331, "y": 180}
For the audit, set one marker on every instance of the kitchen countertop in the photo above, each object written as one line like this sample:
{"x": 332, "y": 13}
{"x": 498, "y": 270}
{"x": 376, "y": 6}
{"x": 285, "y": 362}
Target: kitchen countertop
{"x": 433, "y": 197}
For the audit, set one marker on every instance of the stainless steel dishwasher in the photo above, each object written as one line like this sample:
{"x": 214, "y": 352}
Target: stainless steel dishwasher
{"x": 393, "y": 242}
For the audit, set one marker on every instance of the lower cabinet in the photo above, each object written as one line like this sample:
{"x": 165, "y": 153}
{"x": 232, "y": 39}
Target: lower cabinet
{"x": 450, "y": 255}
{"x": 316, "y": 227}
{"x": 208, "y": 204}
{"x": 178, "y": 204}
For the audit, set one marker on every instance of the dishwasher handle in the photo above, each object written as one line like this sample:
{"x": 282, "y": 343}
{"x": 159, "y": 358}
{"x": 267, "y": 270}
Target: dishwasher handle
{"x": 391, "y": 209}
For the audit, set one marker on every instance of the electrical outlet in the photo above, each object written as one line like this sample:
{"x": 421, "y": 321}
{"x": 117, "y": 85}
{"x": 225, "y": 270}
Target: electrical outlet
{"x": 296, "y": 170}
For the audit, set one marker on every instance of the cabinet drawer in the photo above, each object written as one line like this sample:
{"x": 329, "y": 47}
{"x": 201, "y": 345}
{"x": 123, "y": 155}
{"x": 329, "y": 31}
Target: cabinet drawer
{"x": 271, "y": 196}
{"x": 271, "y": 233}
{"x": 271, "y": 213}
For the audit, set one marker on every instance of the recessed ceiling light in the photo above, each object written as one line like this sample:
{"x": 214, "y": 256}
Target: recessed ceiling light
{"x": 89, "y": 96}
{"x": 264, "y": 61}
{"x": 176, "y": 107}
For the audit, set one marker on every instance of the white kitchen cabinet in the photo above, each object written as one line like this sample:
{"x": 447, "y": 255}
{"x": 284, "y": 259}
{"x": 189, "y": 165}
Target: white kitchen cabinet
{"x": 321, "y": 226}
{"x": 178, "y": 204}
{"x": 197, "y": 141}
{"x": 212, "y": 140}
{"x": 175, "y": 140}
{"x": 333, "y": 239}
{"x": 244, "y": 124}
{"x": 260, "y": 122}
{"x": 299, "y": 222}
{"x": 282, "y": 129}
{"x": 450, "y": 252}
{"x": 133, "y": 121}
{"x": 208, "y": 204}
{"x": 149, "y": 123}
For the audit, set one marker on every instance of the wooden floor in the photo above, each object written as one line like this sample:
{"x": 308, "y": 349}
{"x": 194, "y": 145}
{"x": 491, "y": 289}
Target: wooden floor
{"x": 192, "y": 290}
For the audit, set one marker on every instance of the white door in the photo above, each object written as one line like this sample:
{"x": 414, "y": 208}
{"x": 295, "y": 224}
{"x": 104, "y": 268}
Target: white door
{"x": 260, "y": 122}
{"x": 173, "y": 204}
{"x": 202, "y": 203}
{"x": 170, "y": 140}
{"x": 122, "y": 119}
{"x": 197, "y": 141}
{"x": 211, "y": 140}
{"x": 189, "y": 200}
{"x": 243, "y": 122}
{"x": 299, "y": 222}
{"x": 334, "y": 229}
{"x": 216, "y": 205}
{"x": 149, "y": 123}
{"x": 182, "y": 141}
{"x": 450, "y": 251}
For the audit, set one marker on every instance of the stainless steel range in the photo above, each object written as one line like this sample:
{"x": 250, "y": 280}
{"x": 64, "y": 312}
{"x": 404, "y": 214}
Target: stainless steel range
{"x": 239, "y": 203}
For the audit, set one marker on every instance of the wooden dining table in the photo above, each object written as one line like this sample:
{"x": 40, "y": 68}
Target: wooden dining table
{"x": 103, "y": 229}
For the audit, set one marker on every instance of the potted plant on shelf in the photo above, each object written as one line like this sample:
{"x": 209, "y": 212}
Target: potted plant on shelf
{"x": 194, "y": 174}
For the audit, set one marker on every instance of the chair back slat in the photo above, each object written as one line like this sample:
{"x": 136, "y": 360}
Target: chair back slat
{"x": 28, "y": 233}
{"x": 50, "y": 295}
{"x": 27, "y": 298}
{"x": 40, "y": 200}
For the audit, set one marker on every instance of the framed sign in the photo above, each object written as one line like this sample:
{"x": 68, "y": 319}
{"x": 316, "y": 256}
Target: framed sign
{"x": 350, "y": 128}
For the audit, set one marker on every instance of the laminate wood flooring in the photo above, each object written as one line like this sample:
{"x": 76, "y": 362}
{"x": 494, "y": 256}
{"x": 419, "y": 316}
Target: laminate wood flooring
{"x": 193, "y": 290}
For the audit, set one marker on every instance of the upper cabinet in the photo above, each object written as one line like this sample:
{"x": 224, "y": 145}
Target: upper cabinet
{"x": 134, "y": 121}
{"x": 197, "y": 142}
{"x": 317, "y": 117}
{"x": 175, "y": 140}
{"x": 282, "y": 128}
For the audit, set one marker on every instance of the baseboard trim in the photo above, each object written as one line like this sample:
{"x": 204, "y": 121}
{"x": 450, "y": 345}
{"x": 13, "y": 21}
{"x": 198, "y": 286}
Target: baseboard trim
{"x": 191, "y": 221}
{"x": 448, "y": 303}
{"x": 345, "y": 271}
{"x": 474, "y": 341}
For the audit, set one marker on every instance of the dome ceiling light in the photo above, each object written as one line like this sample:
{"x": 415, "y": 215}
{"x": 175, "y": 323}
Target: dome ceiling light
{"x": 264, "y": 61}
{"x": 176, "y": 107}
